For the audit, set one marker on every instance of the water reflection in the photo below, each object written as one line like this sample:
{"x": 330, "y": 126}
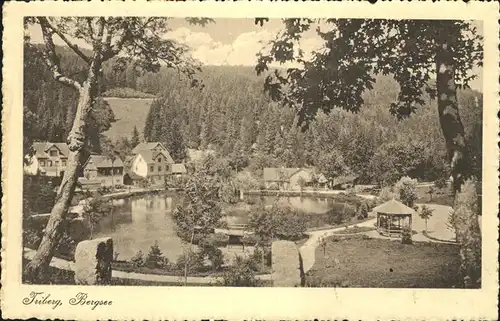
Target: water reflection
{"x": 136, "y": 223}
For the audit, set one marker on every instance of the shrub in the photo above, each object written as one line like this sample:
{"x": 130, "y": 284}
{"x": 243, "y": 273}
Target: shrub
{"x": 38, "y": 195}
{"x": 212, "y": 253}
{"x": 290, "y": 225}
{"x": 218, "y": 239}
{"x": 240, "y": 274}
{"x": 406, "y": 188}
{"x": 249, "y": 239}
{"x": 362, "y": 211}
{"x": 138, "y": 259}
{"x": 386, "y": 194}
{"x": 406, "y": 235}
{"x": 195, "y": 262}
{"x": 155, "y": 258}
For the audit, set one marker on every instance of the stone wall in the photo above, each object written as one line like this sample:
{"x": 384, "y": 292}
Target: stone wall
{"x": 93, "y": 261}
{"x": 286, "y": 265}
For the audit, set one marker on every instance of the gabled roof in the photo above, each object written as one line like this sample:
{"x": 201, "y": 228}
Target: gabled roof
{"x": 150, "y": 156}
{"x": 146, "y": 146}
{"x": 179, "y": 169}
{"x": 344, "y": 179}
{"x": 41, "y": 149}
{"x": 393, "y": 207}
{"x": 100, "y": 161}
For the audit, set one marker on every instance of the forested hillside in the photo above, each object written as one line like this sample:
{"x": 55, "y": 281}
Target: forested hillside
{"x": 231, "y": 114}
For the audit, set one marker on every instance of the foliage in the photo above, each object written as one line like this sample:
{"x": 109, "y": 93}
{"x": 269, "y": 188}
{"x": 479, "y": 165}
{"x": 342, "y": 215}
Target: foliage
{"x": 362, "y": 211}
{"x": 249, "y": 239}
{"x": 135, "y": 139}
{"x": 155, "y": 258}
{"x": 240, "y": 274}
{"x": 406, "y": 235}
{"x": 218, "y": 239}
{"x": 425, "y": 213}
{"x": 191, "y": 260}
{"x": 200, "y": 211}
{"x": 210, "y": 251}
{"x": 94, "y": 210}
{"x": 276, "y": 223}
{"x": 386, "y": 194}
{"x": 332, "y": 165}
{"x": 138, "y": 259}
{"x": 124, "y": 92}
{"x": 465, "y": 214}
{"x": 38, "y": 195}
{"x": 407, "y": 190}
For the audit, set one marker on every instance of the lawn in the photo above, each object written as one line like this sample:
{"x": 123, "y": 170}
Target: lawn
{"x": 129, "y": 113}
{"x": 359, "y": 262}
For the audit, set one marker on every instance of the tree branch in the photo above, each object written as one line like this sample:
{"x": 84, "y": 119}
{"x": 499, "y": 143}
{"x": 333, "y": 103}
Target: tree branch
{"x": 71, "y": 45}
{"x": 51, "y": 58}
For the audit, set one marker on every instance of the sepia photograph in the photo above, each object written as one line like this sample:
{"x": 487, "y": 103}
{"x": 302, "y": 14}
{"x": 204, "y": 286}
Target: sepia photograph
{"x": 252, "y": 152}
{"x": 300, "y": 160}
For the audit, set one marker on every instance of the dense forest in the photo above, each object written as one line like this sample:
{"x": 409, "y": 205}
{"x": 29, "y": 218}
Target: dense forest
{"x": 231, "y": 114}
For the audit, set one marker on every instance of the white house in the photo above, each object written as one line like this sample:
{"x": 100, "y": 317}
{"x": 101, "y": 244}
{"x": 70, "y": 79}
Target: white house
{"x": 152, "y": 164}
{"x": 49, "y": 159}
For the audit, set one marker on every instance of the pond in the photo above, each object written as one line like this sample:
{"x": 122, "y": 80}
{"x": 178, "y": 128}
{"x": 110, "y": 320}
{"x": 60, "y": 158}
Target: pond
{"x": 136, "y": 223}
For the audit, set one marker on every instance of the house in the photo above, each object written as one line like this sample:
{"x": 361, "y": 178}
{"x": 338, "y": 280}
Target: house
{"x": 49, "y": 159}
{"x": 292, "y": 178}
{"x": 103, "y": 169}
{"x": 152, "y": 165}
{"x": 344, "y": 181}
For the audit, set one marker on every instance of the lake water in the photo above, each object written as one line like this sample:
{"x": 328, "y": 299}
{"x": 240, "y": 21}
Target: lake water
{"x": 136, "y": 223}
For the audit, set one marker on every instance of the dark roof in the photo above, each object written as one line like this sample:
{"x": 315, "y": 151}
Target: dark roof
{"x": 100, "y": 161}
{"x": 41, "y": 149}
{"x": 393, "y": 207}
{"x": 149, "y": 156}
{"x": 146, "y": 146}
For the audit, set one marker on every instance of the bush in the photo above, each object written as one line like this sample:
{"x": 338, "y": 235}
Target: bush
{"x": 362, "y": 211}
{"x": 195, "y": 262}
{"x": 155, "y": 258}
{"x": 386, "y": 194}
{"x": 218, "y": 239}
{"x": 406, "y": 188}
{"x": 212, "y": 253}
{"x": 241, "y": 274}
{"x": 406, "y": 235}
{"x": 138, "y": 259}
{"x": 38, "y": 195}
{"x": 290, "y": 225}
{"x": 249, "y": 239}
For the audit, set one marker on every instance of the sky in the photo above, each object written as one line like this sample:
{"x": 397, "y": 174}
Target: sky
{"x": 234, "y": 41}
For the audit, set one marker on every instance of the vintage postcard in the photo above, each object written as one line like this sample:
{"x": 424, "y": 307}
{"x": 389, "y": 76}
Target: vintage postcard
{"x": 206, "y": 160}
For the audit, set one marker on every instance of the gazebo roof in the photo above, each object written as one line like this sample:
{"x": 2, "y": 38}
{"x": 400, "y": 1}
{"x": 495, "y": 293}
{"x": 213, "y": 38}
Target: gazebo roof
{"x": 393, "y": 207}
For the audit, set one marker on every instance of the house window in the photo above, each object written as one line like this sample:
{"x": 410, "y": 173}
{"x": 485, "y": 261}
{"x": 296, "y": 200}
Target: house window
{"x": 57, "y": 163}
{"x": 53, "y": 153}
{"x": 118, "y": 170}
{"x": 63, "y": 163}
{"x": 159, "y": 159}
{"x": 159, "y": 168}
{"x": 42, "y": 163}
{"x": 151, "y": 168}
{"x": 49, "y": 163}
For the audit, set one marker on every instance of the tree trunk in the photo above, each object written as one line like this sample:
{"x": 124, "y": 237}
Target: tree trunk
{"x": 449, "y": 117}
{"x": 453, "y": 131}
{"x": 76, "y": 140}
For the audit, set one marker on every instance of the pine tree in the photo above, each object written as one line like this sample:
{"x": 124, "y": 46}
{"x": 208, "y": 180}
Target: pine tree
{"x": 135, "y": 140}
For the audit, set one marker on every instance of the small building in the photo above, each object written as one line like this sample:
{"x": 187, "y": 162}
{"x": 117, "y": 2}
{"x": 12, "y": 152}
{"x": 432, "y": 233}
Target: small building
{"x": 292, "y": 178}
{"x": 103, "y": 169}
{"x": 48, "y": 159}
{"x": 178, "y": 170}
{"x": 393, "y": 217}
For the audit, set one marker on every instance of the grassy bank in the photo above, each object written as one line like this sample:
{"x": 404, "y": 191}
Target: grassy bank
{"x": 356, "y": 261}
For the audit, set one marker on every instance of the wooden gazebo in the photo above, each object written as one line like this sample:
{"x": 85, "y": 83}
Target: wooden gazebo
{"x": 393, "y": 217}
